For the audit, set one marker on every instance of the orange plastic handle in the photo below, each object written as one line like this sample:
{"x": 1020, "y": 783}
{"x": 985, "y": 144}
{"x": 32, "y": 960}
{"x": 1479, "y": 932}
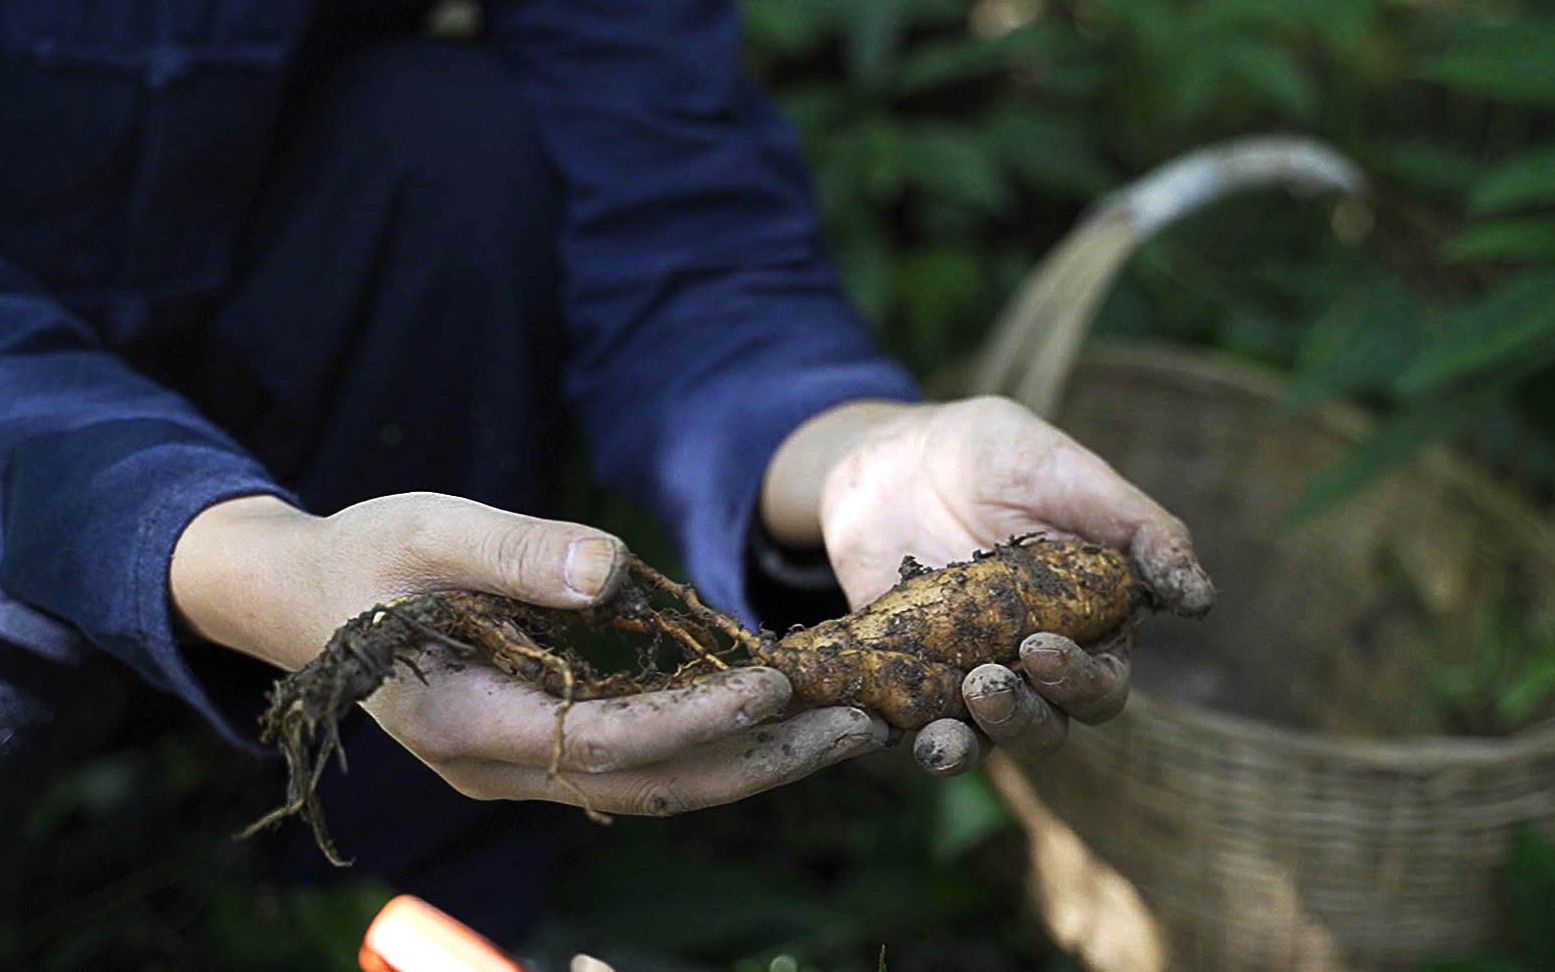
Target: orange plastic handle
{"x": 410, "y": 935}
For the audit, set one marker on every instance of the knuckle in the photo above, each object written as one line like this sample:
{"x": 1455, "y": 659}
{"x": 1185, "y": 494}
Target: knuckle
{"x": 515, "y": 554}
{"x": 595, "y": 756}
{"x": 1108, "y": 707}
{"x": 657, "y": 798}
{"x": 419, "y": 536}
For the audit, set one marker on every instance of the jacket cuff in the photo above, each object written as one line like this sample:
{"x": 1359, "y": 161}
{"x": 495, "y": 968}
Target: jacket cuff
{"x": 91, "y": 519}
{"x": 754, "y": 417}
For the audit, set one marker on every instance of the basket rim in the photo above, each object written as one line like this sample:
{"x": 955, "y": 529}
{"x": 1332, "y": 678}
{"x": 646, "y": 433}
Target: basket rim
{"x": 1423, "y": 753}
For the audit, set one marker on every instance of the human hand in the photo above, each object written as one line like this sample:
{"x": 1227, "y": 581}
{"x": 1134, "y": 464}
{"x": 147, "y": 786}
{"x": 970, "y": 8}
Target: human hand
{"x": 875, "y": 481}
{"x": 266, "y": 579}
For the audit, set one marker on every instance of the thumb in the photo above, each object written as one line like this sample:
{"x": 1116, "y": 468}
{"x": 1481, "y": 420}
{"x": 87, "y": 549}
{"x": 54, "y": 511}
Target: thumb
{"x": 549, "y": 563}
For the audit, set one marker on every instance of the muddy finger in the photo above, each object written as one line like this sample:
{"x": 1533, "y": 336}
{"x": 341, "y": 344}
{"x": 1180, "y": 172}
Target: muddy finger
{"x": 1014, "y": 717}
{"x": 1163, "y": 552}
{"x": 947, "y": 747}
{"x": 1091, "y": 688}
{"x": 608, "y": 735}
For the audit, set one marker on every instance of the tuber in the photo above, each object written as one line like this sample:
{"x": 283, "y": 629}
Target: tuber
{"x": 902, "y": 656}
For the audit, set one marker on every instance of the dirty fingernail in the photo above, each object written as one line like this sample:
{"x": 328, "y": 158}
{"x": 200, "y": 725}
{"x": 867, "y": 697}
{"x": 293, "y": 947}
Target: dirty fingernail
{"x": 765, "y": 681}
{"x": 995, "y": 707}
{"x": 761, "y": 693}
{"x": 593, "y": 566}
{"x": 1042, "y": 661}
{"x": 929, "y": 752}
{"x": 946, "y": 747}
{"x": 867, "y": 730}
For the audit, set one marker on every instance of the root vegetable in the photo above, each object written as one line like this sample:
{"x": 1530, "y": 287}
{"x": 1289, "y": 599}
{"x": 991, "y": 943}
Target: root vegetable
{"x": 902, "y": 656}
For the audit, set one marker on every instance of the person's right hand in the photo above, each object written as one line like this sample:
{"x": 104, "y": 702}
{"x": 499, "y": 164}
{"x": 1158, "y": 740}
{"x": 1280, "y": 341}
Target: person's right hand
{"x": 264, "y": 578}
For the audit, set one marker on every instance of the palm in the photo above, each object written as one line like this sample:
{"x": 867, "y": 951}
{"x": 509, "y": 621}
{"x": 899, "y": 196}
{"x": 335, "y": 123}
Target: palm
{"x": 965, "y": 477}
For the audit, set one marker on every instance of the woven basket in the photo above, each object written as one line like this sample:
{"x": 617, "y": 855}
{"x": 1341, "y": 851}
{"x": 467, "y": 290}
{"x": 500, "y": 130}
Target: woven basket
{"x": 1273, "y": 796}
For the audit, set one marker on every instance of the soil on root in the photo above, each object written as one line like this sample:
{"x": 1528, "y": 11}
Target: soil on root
{"x": 902, "y": 656}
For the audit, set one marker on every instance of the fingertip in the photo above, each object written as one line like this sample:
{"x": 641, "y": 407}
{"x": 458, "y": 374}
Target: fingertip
{"x": 1164, "y": 555}
{"x": 989, "y": 690}
{"x": 765, "y": 681}
{"x": 946, "y": 747}
{"x": 1047, "y": 641}
{"x": 820, "y": 737}
{"x": 595, "y": 566}
{"x": 758, "y": 693}
{"x": 1198, "y": 594}
{"x": 1045, "y": 655}
{"x": 862, "y": 729}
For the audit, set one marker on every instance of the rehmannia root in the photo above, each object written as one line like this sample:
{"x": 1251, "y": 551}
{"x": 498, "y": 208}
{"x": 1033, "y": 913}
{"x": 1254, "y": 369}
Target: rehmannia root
{"x": 902, "y": 656}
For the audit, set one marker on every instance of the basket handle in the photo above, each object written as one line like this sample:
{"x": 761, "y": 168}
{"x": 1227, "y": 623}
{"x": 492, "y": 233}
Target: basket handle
{"x": 1038, "y": 334}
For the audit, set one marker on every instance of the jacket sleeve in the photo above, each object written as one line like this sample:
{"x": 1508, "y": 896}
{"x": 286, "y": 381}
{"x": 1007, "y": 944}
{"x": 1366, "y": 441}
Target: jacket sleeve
{"x": 100, "y": 470}
{"x": 704, "y": 319}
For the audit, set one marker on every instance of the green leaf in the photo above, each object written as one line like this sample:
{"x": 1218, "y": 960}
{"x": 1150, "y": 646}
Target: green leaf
{"x": 1343, "y": 25}
{"x": 868, "y": 269}
{"x": 969, "y": 812}
{"x": 1530, "y": 691}
{"x": 787, "y": 28}
{"x": 934, "y": 65}
{"x": 1273, "y": 74}
{"x": 1514, "y": 325}
{"x": 873, "y": 40}
{"x": 1512, "y": 62}
{"x": 1527, "y": 240}
{"x": 938, "y": 287}
{"x": 1427, "y": 165}
{"x": 1049, "y": 155}
{"x": 867, "y": 161}
{"x": 1358, "y": 345}
{"x": 1531, "y": 885}
{"x": 948, "y": 162}
{"x": 921, "y": 14}
{"x": 813, "y": 108}
{"x": 1392, "y": 445}
{"x": 1526, "y": 180}
{"x": 1199, "y": 86}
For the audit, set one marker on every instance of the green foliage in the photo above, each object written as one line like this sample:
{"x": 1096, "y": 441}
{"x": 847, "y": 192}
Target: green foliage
{"x": 953, "y": 142}
{"x": 1530, "y": 896}
{"x": 1509, "y": 683}
{"x": 127, "y": 861}
{"x": 820, "y": 874}
{"x": 967, "y": 813}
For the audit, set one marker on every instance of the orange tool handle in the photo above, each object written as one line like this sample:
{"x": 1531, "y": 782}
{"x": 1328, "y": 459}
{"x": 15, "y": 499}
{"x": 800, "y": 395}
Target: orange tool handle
{"x": 410, "y": 935}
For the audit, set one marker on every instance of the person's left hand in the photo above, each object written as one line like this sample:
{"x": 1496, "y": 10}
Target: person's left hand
{"x": 876, "y": 481}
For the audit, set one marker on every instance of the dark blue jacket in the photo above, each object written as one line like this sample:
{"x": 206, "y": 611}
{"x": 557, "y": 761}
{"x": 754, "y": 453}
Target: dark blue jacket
{"x": 703, "y": 320}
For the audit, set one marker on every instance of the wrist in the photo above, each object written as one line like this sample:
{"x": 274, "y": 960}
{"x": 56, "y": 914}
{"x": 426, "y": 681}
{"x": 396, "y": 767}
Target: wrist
{"x": 231, "y": 568}
{"x": 792, "y": 487}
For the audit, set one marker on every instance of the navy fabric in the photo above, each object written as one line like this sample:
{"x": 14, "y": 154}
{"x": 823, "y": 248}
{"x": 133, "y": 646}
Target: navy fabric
{"x": 262, "y": 246}
{"x": 165, "y": 343}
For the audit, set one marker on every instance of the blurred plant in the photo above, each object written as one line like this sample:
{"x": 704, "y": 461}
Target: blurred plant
{"x": 1509, "y": 683}
{"x": 1530, "y": 894}
{"x": 953, "y": 142}
{"x": 817, "y": 874}
{"x": 127, "y": 861}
